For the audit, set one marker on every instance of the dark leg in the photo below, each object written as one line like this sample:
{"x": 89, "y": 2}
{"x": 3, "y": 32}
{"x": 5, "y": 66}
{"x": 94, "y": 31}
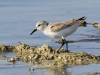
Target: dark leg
{"x": 63, "y": 42}
{"x": 66, "y": 42}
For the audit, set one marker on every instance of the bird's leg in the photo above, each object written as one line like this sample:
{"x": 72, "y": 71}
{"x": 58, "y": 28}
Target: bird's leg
{"x": 63, "y": 42}
{"x": 66, "y": 42}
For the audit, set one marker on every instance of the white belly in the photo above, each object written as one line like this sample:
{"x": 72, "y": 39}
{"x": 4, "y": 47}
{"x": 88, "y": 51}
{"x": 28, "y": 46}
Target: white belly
{"x": 62, "y": 33}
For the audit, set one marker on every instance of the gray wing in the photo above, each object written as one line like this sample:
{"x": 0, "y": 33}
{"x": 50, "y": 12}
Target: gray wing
{"x": 61, "y": 25}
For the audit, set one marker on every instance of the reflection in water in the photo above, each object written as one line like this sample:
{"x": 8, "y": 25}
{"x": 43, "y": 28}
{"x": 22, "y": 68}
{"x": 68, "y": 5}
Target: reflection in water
{"x": 88, "y": 40}
{"x": 52, "y": 69}
{"x": 82, "y": 40}
{"x": 84, "y": 24}
{"x": 57, "y": 71}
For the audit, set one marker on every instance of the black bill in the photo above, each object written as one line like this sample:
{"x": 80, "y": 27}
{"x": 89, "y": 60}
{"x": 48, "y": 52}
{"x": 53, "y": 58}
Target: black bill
{"x": 33, "y": 31}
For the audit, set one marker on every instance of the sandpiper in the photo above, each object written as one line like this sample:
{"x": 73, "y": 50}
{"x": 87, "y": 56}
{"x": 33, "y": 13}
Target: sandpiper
{"x": 59, "y": 29}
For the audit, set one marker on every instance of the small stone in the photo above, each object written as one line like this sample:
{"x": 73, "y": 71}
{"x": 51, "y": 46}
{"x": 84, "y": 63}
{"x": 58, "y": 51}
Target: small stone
{"x": 11, "y": 60}
{"x": 3, "y": 48}
{"x": 96, "y": 25}
{"x": 37, "y": 56}
{"x": 31, "y": 69}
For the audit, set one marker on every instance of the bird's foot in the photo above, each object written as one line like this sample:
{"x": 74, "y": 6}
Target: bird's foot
{"x": 67, "y": 50}
{"x": 58, "y": 50}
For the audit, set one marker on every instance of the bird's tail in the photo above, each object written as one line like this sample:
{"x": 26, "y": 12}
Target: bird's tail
{"x": 82, "y": 18}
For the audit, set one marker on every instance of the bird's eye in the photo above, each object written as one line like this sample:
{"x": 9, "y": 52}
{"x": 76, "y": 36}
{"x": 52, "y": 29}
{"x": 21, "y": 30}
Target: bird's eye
{"x": 39, "y": 25}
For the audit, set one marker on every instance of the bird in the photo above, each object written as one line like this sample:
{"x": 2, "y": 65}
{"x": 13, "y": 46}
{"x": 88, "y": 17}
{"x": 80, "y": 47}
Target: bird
{"x": 59, "y": 29}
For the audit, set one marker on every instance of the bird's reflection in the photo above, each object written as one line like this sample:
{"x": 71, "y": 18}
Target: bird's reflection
{"x": 57, "y": 71}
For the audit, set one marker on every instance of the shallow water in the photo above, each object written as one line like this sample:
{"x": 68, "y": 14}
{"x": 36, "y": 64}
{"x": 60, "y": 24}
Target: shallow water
{"x": 18, "y": 19}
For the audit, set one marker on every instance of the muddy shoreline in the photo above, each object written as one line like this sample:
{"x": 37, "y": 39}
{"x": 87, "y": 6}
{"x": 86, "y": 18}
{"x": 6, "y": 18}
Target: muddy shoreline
{"x": 46, "y": 56}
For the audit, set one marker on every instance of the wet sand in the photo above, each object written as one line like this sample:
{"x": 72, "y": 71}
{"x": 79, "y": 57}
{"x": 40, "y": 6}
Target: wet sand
{"x": 45, "y": 52}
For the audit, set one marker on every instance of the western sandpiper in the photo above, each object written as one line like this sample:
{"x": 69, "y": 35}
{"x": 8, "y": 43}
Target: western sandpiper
{"x": 59, "y": 29}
